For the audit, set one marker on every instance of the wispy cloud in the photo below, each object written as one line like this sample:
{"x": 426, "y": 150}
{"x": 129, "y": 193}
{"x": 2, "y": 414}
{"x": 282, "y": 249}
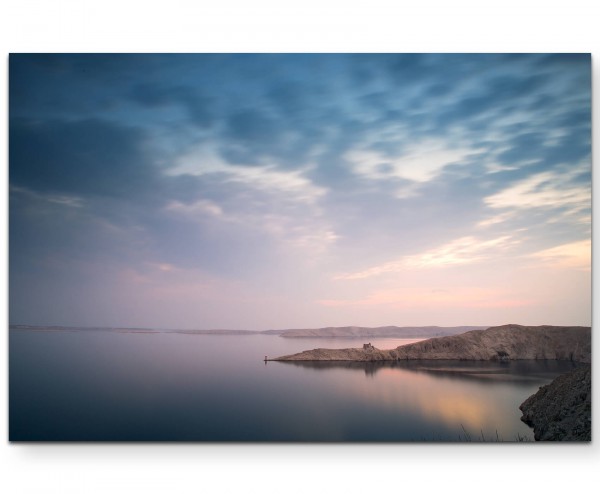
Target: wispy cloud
{"x": 496, "y": 219}
{"x": 464, "y": 250}
{"x": 282, "y": 204}
{"x": 199, "y": 207}
{"x": 418, "y": 163}
{"x": 576, "y": 255}
{"x": 58, "y": 199}
{"x": 546, "y": 190}
{"x": 267, "y": 177}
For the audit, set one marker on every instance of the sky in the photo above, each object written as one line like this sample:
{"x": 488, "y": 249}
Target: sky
{"x": 239, "y": 191}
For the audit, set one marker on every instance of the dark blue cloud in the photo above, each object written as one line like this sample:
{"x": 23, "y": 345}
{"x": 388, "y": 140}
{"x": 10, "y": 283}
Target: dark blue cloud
{"x": 250, "y": 126}
{"x": 581, "y": 61}
{"x": 525, "y": 146}
{"x": 79, "y": 157}
{"x": 197, "y": 106}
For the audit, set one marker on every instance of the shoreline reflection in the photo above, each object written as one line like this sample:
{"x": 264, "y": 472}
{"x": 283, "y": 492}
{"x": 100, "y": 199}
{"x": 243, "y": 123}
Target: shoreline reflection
{"x": 517, "y": 371}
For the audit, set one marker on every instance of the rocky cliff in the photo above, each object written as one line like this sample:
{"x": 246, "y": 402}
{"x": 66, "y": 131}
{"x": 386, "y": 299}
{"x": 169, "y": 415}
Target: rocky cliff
{"x": 562, "y": 410}
{"x": 509, "y": 342}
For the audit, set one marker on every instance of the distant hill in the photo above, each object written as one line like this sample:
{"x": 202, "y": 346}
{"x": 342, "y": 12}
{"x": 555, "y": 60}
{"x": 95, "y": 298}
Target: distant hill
{"x": 382, "y": 331}
{"x": 509, "y": 342}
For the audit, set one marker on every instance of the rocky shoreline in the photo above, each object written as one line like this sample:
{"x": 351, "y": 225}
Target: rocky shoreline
{"x": 562, "y": 410}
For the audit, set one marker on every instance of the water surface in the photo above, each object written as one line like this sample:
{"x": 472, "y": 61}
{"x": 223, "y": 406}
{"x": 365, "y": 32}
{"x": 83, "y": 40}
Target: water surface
{"x": 111, "y": 386}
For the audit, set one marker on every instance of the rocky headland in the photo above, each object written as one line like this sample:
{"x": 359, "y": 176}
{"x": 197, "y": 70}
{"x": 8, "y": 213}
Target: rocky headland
{"x": 508, "y": 342}
{"x": 562, "y": 410}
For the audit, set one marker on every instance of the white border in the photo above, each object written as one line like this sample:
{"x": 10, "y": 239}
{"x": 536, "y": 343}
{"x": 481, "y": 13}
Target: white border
{"x": 276, "y": 26}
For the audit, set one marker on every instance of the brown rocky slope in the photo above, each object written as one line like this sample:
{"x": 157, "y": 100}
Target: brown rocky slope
{"x": 508, "y": 342}
{"x": 562, "y": 410}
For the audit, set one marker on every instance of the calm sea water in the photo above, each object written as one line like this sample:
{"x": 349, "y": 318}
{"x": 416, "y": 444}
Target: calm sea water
{"x": 109, "y": 386}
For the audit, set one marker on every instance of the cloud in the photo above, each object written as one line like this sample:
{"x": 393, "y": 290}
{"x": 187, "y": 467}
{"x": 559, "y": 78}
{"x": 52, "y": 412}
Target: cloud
{"x": 284, "y": 206}
{"x": 80, "y": 157}
{"x": 496, "y": 219}
{"x": 197, "y": 106}
{"x": 199, "y": 207}
{"x": 547, "y": 190}
{"x": 465, "y": 250}
{"x": 62, "y": 200}
{"x": 269, "y": 178}
{"x": 577, "y": 255}
{"x": 418, "y": 163}
{"x": 126, "y": 209}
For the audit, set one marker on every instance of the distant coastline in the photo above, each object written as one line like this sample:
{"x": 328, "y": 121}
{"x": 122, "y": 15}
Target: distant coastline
{"x": 327, "y": 332}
